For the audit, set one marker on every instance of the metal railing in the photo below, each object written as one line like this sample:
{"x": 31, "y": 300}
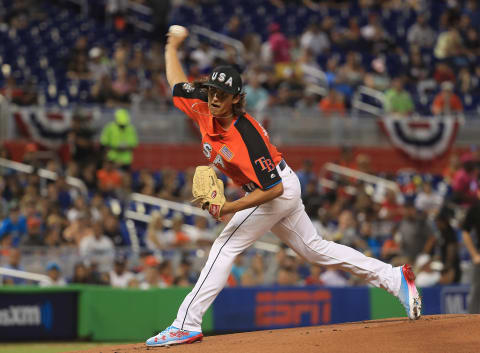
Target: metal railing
{"x": 43, "y": 173}
{"x": 359, "y": 106}
{"x": 29, "y": 276}
{"x": 213, "y": 36}
{"x": 365, "y": 177}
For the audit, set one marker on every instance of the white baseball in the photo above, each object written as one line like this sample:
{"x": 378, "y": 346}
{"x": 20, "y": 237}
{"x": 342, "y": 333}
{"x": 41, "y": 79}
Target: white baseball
{"x": 178, "y": 31}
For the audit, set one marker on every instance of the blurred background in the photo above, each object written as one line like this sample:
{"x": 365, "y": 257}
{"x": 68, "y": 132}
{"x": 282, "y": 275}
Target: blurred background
{"x": 375, "y": 104}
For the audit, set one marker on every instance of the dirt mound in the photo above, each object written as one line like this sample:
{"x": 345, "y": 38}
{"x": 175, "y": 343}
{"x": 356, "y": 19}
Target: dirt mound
{"x": 438, "y": 333}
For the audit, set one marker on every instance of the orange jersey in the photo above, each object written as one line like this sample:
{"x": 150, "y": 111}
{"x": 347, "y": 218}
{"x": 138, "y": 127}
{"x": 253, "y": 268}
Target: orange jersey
{"x": 243, "y": 152}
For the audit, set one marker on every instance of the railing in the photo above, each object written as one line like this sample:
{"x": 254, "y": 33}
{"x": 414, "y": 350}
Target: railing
{"x": 213, "y": 36}
{"x": 43, "y": 173}
{"x": 359, "y": 106}
{"x": 29, "y": 276}
{"x": 381, "y": 183}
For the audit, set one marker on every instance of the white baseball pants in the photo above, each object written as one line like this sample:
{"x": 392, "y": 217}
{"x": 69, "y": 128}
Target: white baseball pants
{"x": 286, "y": 218}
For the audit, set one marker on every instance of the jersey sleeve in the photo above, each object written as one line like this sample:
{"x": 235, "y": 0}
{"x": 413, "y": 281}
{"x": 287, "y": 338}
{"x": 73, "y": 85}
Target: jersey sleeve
{"x": 259, "y": 165}
{"x": 185, "y": 95}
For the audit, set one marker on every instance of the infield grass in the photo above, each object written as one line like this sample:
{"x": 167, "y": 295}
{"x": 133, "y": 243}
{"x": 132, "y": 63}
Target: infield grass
{"x": 48, "y": 347}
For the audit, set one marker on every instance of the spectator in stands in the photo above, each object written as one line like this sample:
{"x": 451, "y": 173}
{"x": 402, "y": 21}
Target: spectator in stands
{"x": 234, "y": 28}
{"x": 78, "y": 229}
{"x": 420, "y": 33}
{"x": 13, "y": 263}
{"x": 308, "y": 103}
{"x": 204, "y": 56}
{"x": 315, "y": 39}
{"x": 417, "y": 69}
{"x": 116, "y": 11}
{"x": 350, "y": 74}
{"x": 25, "y": 94}
{"x": 449, "y": 247}
{"x": 98, "y": 64}
{"x": 177, "y": 236}
{"x": 112, "y": 228}
{"x": 278, "y": 44}
{"x": 428, "y": 200}
{"x": 166, "y": 274}
{"x": 426, "y": 275}
{"x": 446, "y": 102}
{"x": 449, "y": 44}
{"x": 467, "y": 84}
{"x": 79, "y": 207}
{"x": 333, "y": 104}
{"x": 470, "y": 226}
{"x": 81, "y": 274}
{"x": 397, "y": 99}
{"x": 80, "y": 48}
{"x": 123, "y": 86}
{"x": 416, "y": 234}
{"x": 314, "y": 278}
{"x": 54, "y": 276}
{"x": 119, "y": 138}
{"x": 35, "y": 232}
{"x": 200, "y": 234}
{"x": 15, "y": 224}
{"x": 471, "y": 9}
{"x": 120, "y": 277}
{"x": 453, "y": 166}
{"x": 443, "y": 72}
{"x": 151, "y": 274}
{"x": 257, "y": 98}
{"x": 98, "y": 248}
{"x": 464, "y": 183}
{"x": 286, "y": 276}
{"x": 78, "y": 68}
{"x": 101, "y": 91}
{"x": 254, "y": 275}
{"x": 374, "y": 33}
{"x": 109, "y": 178}
{"x": 156, "y": 239}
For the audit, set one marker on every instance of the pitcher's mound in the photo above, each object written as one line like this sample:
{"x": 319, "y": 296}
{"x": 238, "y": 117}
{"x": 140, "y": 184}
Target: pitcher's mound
{"x": 438, "y": 333}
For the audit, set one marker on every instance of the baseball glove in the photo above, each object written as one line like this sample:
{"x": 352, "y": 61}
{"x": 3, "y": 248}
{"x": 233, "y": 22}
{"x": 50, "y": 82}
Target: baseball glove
{"x": 207, "y": 190}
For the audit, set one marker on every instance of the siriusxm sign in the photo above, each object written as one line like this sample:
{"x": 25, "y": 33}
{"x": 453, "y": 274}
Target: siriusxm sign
{"x": 27, "y": 315}
{"x": 38, "y": 314}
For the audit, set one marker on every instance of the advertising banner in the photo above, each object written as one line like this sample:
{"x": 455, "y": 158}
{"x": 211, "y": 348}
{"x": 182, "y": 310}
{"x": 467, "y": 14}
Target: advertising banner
{"x": 260, "y": 308}
{"x": 37, "y": 316}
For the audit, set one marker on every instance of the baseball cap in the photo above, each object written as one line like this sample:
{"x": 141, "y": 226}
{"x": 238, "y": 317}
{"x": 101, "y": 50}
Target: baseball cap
{"x": 52, "y": 265}
{"x": 225, "y": 78}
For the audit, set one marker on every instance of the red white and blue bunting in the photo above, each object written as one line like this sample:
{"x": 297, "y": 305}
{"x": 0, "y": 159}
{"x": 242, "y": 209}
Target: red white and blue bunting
{"x": 47, "y": 128}
{"x": 421, "y": 138}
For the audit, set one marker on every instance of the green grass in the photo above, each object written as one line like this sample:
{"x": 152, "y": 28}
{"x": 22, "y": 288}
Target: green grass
{"x": 49, "y": 347}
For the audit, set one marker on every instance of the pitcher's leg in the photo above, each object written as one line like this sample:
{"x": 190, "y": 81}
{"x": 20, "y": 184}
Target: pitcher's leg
{"x": 243, "y": 229}
{"x": 298, "y": 232}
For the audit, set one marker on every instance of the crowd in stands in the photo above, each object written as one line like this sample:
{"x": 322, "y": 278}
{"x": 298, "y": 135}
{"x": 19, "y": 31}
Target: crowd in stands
{"x": 310, "y": 55}
{"x": 419, "y": 223}
{"x": 425, "y": 64}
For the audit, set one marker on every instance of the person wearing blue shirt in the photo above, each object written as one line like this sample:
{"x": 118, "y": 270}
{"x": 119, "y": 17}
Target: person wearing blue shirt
{"x": 15, "y": 225}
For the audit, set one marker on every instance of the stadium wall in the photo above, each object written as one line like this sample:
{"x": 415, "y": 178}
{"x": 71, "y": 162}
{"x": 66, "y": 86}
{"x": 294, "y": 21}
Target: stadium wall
{"x": 109, "y": 314}
{"x": 182, "y": 156}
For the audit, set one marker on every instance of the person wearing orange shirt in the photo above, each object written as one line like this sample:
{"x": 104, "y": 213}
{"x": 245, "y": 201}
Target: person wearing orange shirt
{"x": 446, "y": 102}
{"x": 332, "y": 104}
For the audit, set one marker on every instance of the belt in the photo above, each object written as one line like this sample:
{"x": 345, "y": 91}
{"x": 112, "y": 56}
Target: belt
{"x": 251, "y": 186}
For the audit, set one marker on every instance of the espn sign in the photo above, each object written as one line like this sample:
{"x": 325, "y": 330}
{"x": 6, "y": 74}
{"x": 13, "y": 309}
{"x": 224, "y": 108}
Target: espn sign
{"x": 292, "y": 308}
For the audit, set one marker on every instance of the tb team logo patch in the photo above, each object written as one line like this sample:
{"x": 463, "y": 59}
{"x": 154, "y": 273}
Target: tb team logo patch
{"x": 226, "y": 153}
